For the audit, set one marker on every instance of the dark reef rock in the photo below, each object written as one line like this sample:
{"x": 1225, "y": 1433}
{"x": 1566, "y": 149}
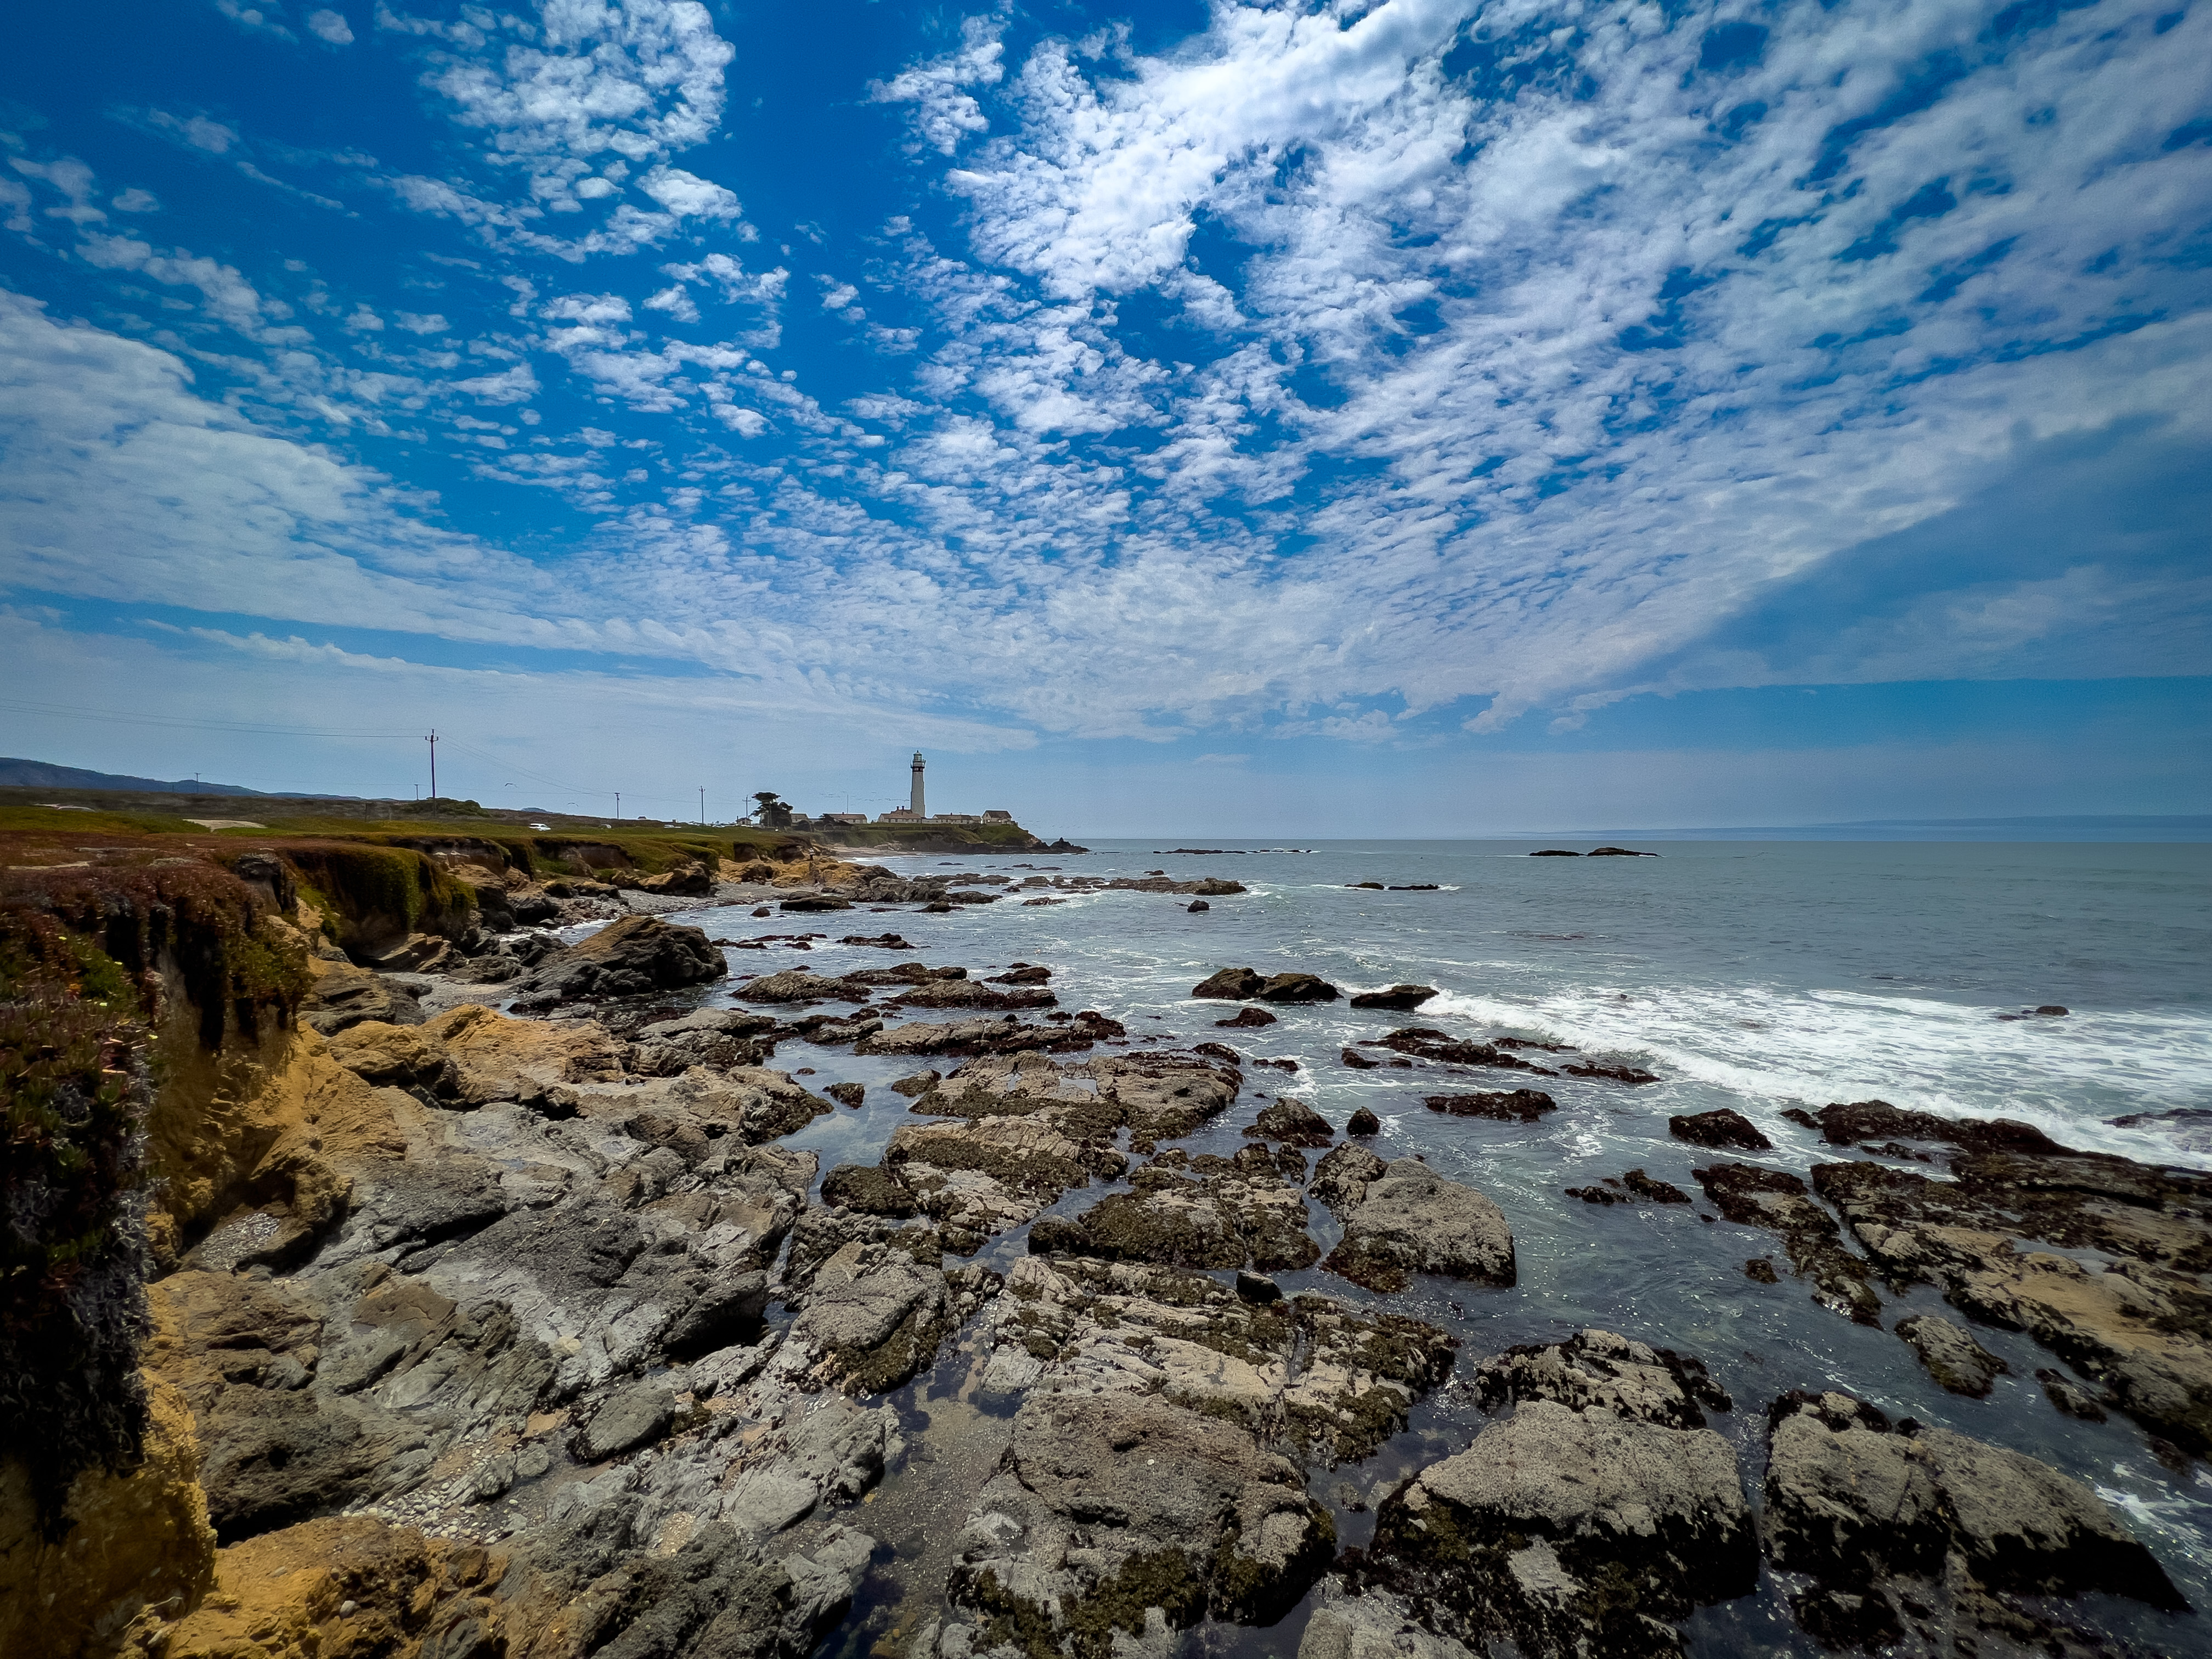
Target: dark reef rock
{"x": 1951, "y": 1354}
{"x": 1292, "y": 1123}
{"x": 1398, "y": 996}
{"x": 1229, "y": 984}
{"x": 1723, "y": 1126}
{"x": 1363, "y": 1122}
{"x": 1296, "y": 987}
{"x": 1754, "y": 1197}
{"x": 1511, "y": 1106}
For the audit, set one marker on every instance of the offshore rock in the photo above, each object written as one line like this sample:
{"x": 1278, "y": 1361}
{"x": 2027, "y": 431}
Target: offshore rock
{"x": 1398, "y": 996}
{"x": 1508, "y": 1106}
{"x": 1927, "y": 1535}
{"x": 1292, "y": 1123}
{"x": 1296, "y": 987}
{"x": 1229, "y": 984}
{"x": 1723, "y": 1126}
{"x": 1409, "y": 1219}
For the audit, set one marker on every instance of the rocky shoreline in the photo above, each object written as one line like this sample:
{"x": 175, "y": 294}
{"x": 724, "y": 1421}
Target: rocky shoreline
{"x": 490, "y": 1312}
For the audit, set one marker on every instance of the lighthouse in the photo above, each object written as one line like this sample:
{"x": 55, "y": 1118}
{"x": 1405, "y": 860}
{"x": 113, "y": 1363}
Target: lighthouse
{"x": 916, "y": 807}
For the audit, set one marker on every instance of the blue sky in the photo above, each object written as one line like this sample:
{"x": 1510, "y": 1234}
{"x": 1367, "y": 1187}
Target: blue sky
{"x": 1393, "y": 418}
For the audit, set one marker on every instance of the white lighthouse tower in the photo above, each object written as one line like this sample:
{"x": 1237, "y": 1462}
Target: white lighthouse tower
{"x": 917, "y": 807}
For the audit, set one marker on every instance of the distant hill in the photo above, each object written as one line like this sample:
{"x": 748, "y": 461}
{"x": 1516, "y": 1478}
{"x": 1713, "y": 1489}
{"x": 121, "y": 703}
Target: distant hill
{"x": 39, "y": 774}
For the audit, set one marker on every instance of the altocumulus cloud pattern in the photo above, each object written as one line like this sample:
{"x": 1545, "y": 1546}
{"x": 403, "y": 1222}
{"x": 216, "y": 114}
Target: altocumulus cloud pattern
{"x": 1334, "y": 370}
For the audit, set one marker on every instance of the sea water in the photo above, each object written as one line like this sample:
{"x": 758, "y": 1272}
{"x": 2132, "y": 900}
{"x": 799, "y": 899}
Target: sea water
{"x": 1757, "y": 975}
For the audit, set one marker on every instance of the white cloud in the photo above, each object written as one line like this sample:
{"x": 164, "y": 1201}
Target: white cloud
{"x": 675, "y": 300}
{"x": 419, "y": 323}
{"x": 198, "y": 130}
{"x": 331, "y": 26}
{"x": 135, "y": 200}
{"x": 688, "y": 196}
{"x": 944, "y": 113}
{"x": 264, "y": 18}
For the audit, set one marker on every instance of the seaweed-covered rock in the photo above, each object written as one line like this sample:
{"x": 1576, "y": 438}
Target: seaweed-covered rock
{"x": 1571, "y": 1531}
{"x": 986, "y": 1034}
{"x": 1427, "y": 1042}
{"x": 1856, "y": 1122}
{"x": 1409, "y": 1219}
{"x": 1292, "y": 1123}
{"x": 1925, "y": 1534}
{"x": 1236, "y": 1214}
{"x": 1340, "y": 1180}
{"x": 1125, "y": 1514}
{"x": 1506, "y": 1106}
{"x": 1594, "y": 1368}
{"x": 1723, "y": 1126}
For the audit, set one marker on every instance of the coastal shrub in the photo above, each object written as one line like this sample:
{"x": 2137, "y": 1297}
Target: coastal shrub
{"x": 74, "y": 1082}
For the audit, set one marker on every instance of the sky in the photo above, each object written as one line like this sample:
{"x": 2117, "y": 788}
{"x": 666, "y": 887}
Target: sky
{"x": 1413, "y": 418}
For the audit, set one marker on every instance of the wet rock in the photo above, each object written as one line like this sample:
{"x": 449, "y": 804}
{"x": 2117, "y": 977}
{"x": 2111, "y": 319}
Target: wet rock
{"x": 987, "y": 1036}
{"x": 1196, "y": 905}
{"x": 1760, "y": 1270}
{"x": 1610, "y": 1072}
{"x": 919, "y": 1083}
{"x": 1426, "y": 1042}
{"x": 1568, "y": 1530}
{"x": 1630, "y": 1188}
{"x": 1126, "y": 1513}
{"x": 1248, "y": 1017}
{"x": 1296, "y": 987}
{"x": 880, "y": 942}
{"x": 1929, "y": 1536}
{"x": 1358, "y": 1061}
{"x": 1363, "y": 1122}
{"x": 1595, "y": 1368}
{"x": 1409, "y": 1219}
{"x": 1513, "y": 1106}
{"x": 1341, "y": 1179}
{"x": 1333, "y": 1381}
{"x": 1256, "y": 1288}
{"x": 808, "y": 903}
{"x": 1724, "y": 1126}
{"x": 634, "y": 1417}
{"x": 1398, "y": 996}
{"x": 846, "y": 1094}
{"x": 1754, "y": 1197}
{"x": 628, "y": 958}
{"x": 1864, "y": 1121}
{"x": 1951, "y": 1354}
{"x": 799, "y": 985}
{"x": 1021, "y": 973}
{"x": 871, "y": 1190}
{"x": 969, "y": 993}
{"x": 993, "y": 1173}
{"x": 1236, "y": 1213}
{"x": 2069, "y": 1397}
{"x": 871, "y": 1331}
{"x": 1292, "y": 1123}
{"x": 2141, "y": 1326}
{"x": 1229, "y": 984}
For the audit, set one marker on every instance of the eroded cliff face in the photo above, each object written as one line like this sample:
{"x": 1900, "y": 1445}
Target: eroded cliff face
{"x": 135, "y": 1548}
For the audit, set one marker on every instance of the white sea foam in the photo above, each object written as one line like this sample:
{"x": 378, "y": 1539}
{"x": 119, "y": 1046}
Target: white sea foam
{"x": 1786, "y": 1048}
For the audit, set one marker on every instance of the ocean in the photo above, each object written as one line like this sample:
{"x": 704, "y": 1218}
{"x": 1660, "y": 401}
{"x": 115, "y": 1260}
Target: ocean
{"x": 1757, "y": 975}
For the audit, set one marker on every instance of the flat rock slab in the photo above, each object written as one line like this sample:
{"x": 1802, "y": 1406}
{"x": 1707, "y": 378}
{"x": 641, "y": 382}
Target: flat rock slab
{"x": 1410, "y": 1219}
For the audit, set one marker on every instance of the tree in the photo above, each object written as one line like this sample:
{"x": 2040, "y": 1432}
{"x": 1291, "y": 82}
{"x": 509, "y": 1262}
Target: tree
{"x": 772, "y": 813}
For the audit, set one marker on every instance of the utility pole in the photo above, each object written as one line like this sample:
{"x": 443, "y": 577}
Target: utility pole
{"x": 703, "y": 806}
{"x": 434, "y": 763}
{"x": 618, "y": 807}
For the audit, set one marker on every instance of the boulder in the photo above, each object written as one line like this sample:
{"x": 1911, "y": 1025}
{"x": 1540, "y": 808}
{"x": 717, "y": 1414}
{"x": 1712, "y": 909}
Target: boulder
{"x": 1248, "y": 1018}
{"x": 1123, "y": 1514}
{"x": 1924, "y": 1535}
{"x": 1723, "y": 1126}
{"x": 1296, "y": 987}
{"x": 628, "y": 1418}
{"x": 1410, "y": 1219}
{"x": 799, "y": 985}
{"x": 1229, "y": 984}
{"x": 846, "y": 1094}
{"x": 1398, "y": 996}
{"x": 1363, "y": 1122}
{"x": 1599, "y": 1368}
{"x": 1292, "y": 1123}
{"x": 628, "y": 958}
{"x": 1572, "y": 1531}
